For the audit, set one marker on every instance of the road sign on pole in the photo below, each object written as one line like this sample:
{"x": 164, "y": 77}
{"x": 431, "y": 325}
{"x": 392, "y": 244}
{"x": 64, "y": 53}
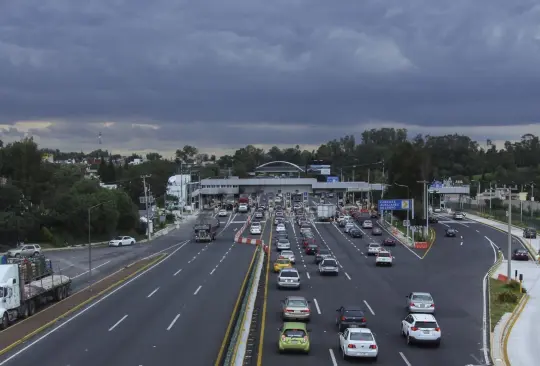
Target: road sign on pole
{"x": 305, "y": 196}
{"x": 395, "y": 205}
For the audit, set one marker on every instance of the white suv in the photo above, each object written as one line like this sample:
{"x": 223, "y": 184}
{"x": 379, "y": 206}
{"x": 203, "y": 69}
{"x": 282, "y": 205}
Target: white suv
{"x": 255, "y": 228}
{"x": 384, "y": 258}
{"x": 421, "y": 328}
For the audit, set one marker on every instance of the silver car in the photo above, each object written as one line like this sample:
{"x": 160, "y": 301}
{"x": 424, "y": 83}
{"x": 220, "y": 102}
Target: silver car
{"x": 26, "y": 250}
{"x": 283, "y": 244}
{"x": 328, "y": 266}
{"x": 295, "y": 308}
{"x": 420, "y": 302}
{"x": 289, "y": 255}
{"x": 289, "y": 278}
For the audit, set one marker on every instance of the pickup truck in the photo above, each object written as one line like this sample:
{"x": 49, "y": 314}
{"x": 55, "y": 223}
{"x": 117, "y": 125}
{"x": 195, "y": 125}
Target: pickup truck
{"x": 26, "y": 284}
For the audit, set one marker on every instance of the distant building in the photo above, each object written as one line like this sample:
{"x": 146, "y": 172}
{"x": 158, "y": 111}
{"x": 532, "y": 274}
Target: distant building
{"x": 108, "y": 186}
{"x": 136, "y": 161}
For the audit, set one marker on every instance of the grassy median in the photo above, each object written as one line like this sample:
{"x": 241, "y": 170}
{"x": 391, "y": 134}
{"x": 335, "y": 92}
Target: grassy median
{"x": 503, "y": 298}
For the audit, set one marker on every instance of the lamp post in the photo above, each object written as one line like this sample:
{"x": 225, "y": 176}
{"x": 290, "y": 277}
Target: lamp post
{"x": 409, "y": 208}
{"x": 90, "y": 239}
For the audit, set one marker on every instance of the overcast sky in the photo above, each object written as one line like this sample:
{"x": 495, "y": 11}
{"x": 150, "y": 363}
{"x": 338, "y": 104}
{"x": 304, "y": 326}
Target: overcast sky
{"x": 155, "y": 75}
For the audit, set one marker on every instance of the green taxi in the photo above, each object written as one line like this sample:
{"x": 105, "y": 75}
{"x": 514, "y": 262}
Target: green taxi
{"x": 294, "y": 337}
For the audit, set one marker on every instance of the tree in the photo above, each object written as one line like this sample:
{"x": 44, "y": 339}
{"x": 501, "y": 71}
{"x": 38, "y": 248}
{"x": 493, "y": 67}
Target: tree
{"x": 187, "y": 154}
{"x": 153, "y": 156}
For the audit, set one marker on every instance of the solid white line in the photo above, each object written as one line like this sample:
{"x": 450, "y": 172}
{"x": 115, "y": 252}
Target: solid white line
{"x": 347, "y": 275}
{"x": 211, "y": 273}
{"x": 369, "y": 307}
{"x": 197, "y": 290}
{"x": 333, "y": 357}
{"x": 317, "y": 306}
{"x": 93, "y": 268}
{"x": 405, "y": 359}
{"x": 153, "y": 292}
{"x": 177, "y": 272}
{"x": 173, "y": 321}
{"x": 494, "y": 247}
{"x": 308, "y": 276}
{"x": 68, "y": 320}
{"x": 118, "y": 322}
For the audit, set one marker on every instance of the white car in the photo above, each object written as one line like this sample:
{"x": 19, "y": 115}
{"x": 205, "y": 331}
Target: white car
{"x": 373, "y": 249}
{"x": 346, "y": 218}
{"x": 458, "y": 215}
{"x": 259, "y": 215}
{"x": 283, "y": 244}
{"x": 358, "y": 342}
{"x": 280, "y": 227}
{"x": 384, "y": 258}
{"x": 421, "y": 328}
{"x": 242, "y": 207}
{"x": 288, "y": 254}
{"x": 222, "y": 213}
{"x": 328, "y": 266}
{"x": 367, "y": 224}
{"x": 288, "y": 277}
{"x": 348, "y": 226}
{"x": 121, "y": 241}
{"x": 255, "y": 229}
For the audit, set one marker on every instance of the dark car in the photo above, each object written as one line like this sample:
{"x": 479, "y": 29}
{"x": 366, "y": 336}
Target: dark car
{"x": 433, "y": 220}
{"x": 355, "y": 233}
{"x": 374, "y": 215}
{"x": 322, "y": 254}
{"x": 350, "y": 317}
{"x": 450, "y": 233}
{"x": 529, "y": 233}
{"x": 312, "y": 249}
{"x": 520, "y": 254}
{"x": 376, "y": 231}
{"x": 342, "y": 223}
{"x": 229, "y": 207}
{"x": 389, "y": 242}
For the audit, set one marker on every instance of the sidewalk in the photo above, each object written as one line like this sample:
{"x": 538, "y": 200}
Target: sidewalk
{"x": 533, "y": 245}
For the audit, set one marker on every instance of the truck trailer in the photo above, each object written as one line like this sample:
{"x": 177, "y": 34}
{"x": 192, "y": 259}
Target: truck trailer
{"x": 326, "y": 212}
{"x": 26, "y": 284}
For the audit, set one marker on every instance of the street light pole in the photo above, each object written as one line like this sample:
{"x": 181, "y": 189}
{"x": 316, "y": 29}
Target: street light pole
{"x": 509, "y": 258}
{"x": 426, "y": 204}
{"x": 409, "y": 208}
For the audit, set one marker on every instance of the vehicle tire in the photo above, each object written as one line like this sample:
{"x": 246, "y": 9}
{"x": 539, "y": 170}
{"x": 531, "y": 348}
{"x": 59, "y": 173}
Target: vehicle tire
{"x": 5, "y": 321}
{"x": 17, "y": 255}
{"x": 343, "y": 354}
{"x": 36, "y": 254}
{"x": 438, "y": 343}
{"x": 132, "y": 242}
{"x": 409, "y": 340}
{"x": 25, "y": 312}
{"x": 31, "y": 308}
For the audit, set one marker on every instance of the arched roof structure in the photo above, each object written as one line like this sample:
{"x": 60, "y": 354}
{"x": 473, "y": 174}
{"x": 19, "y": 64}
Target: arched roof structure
{"x": 280, "y": 162}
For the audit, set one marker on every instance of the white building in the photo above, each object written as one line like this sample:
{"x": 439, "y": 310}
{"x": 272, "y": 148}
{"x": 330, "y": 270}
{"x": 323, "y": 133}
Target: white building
{"x": 177, "y": 186}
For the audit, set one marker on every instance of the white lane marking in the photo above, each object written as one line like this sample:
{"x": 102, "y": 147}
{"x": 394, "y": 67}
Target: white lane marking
{"x": 461, "y": 236}
{"x": 308, "y": 276}
{"x": 317, "y": 306}
{"x": 153, "y": 292}
{"x": 173, "y": 321}
{"x": 70, "y": 319}
{"x": 93, "y": 268}
{"x": 494, "y": 247}
{"x": 118, "y": 322}
{"x": 405, "y": 359}
{"x": 177, "y": 272}
{"x": 448, "y": 225}
{"x": 347, "y": 275}
{"x": 477, "y": 231}
{"x": 461, "y": 243}
{"x": 333, "y": 357}
{"x": 211, "y": 273}
{"x": 369, "y": 307}
{"x": 197, "y": 290}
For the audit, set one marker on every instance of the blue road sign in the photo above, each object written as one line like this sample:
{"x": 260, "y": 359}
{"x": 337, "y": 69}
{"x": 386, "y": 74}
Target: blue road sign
{"x": 305, "y": 196}
{"x": 395, "y": 205}
{"x": 331, "y": 179}
{"x": 436, "y": 184}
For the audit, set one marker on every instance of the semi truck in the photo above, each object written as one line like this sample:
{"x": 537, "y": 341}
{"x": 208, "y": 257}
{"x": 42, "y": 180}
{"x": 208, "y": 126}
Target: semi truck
{"x": 26, "y": 284}
{"x": 206, "y": 230}
{"x": 326, "y": 211}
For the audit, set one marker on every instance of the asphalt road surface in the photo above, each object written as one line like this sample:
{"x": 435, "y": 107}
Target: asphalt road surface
{"x": 176, "y": 313}
{"x": 451, "y": 272}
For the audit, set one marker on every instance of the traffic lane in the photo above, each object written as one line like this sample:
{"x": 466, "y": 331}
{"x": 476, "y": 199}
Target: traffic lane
{"x": 326, "y": 293}
{"x": 394, "y": 283}
{"x": 173, "y": 277}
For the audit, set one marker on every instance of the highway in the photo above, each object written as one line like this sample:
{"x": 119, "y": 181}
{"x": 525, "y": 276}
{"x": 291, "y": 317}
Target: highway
{"x": 451, "y": 272}
{"x": 177, "y": 312}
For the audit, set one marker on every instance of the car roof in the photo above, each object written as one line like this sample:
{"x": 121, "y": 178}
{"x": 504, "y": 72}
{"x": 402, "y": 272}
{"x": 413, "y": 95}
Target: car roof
{"x": 421, "y": 293}
{"x": 375, "y": 244}
{"x": 423, "y": 317}
{"x": 296, "y": 298}
{"x": 294, "y": 325}
{"x": 289, "y": 269}
{"x": 360, "y": 330}
{"x": 353, "y": 308}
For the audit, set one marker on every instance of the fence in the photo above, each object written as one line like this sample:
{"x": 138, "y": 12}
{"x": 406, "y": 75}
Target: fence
{"x": 520, "y": 218}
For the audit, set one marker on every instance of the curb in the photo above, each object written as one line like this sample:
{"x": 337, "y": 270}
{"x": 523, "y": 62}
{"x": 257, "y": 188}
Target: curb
{"x": 82, "y": 304}
{"x": 510, "y": 325}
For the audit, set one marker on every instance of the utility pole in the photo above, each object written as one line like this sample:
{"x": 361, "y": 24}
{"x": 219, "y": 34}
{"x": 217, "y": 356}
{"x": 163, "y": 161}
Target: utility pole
{"x": 509, "y": 257}
{"x": 143, "y": 177}
{"x": 425, "y": 204}
{"x": 383, "y": 180}
{"x": 369, "y": 188}
{"x": 531, "y": 207}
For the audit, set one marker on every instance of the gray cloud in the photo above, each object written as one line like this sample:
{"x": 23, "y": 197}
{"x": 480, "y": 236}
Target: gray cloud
{"x": 196, "y": 68}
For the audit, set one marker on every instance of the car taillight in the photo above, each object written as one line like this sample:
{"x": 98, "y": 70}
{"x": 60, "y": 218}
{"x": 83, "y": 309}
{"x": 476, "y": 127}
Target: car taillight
{"x": 289, "y": 310}
{"x": 414, "y": 329}
{"x": 305, "y": 311}
{"x": 432, "y": 305}
{"x": 373, "y": 346}
{"x": 351, "y": 346}
{"x": 343, "y": 318}
{"x": 363, "y": 320}
{"x": 412, "y": 304}
{"x": 437, "y": 329}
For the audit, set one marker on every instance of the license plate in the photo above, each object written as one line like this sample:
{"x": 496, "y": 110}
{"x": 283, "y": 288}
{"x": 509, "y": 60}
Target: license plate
{"x": 427, "y": 332}
{"x": 353, "y": 326}
{"x": 294, "y": 342}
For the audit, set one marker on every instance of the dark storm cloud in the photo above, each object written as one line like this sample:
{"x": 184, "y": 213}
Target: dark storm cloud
{"x": 197, "y": 67}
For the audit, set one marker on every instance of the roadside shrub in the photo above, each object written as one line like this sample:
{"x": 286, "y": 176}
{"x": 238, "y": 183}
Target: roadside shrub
{"x": 514, "y": 286}
{"x": 508, "y": 297}
{"x": 47, "y": 236}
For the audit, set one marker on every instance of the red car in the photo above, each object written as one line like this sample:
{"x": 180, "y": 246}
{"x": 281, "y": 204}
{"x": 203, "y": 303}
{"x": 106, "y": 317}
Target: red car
{"x": 308, "y": 241}
{"x": 389, "y": 242}
{"x": 312, "y": 249}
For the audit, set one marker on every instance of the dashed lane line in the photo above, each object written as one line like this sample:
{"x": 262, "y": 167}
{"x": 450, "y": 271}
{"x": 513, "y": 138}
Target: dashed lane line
{"x": 369, "y": 308}
{"x": 317, "y": 306}
{"x": 197, "y": 290}
{"x": 153, "y": 292}
{"x": 117, "y": 323}
{"x": 405, "y": 359}
{"x": 347, "y": 275}
{"x": 173, "y": 321}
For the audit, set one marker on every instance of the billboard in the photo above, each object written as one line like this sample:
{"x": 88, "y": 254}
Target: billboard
{"x": 395, "y": 205}
{"x": 321, "y": 169}
{"x": 332, "y": 179}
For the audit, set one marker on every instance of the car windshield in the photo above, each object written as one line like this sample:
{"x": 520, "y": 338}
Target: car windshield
{"x": 289, "y": 274}
{"x": 324, "y": 251}
{"x": 330, "y": 263}
{"x": 426, "y": 325}
{"x": 367, "y": 222}
{"x": 283, "y": 241}
{"x": 521, "y": 251}
{"x": 297, "y": 303}
{"x": 256, "y": 226}
{"x": 120, "y": 238}
{"x": 283, "y": 261}
{"x": 422, "y": 298}
{"x": 384, "y": 255}
{"x": 354, "y": 313}
{"x": 287, "y": 253}
{"x": 294, "y": 333}
{"x": 313, "y": 246}
{"x": 281, "y": 225}
{"x": 357, "y": 336}
{"x": 374, "y": 245}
